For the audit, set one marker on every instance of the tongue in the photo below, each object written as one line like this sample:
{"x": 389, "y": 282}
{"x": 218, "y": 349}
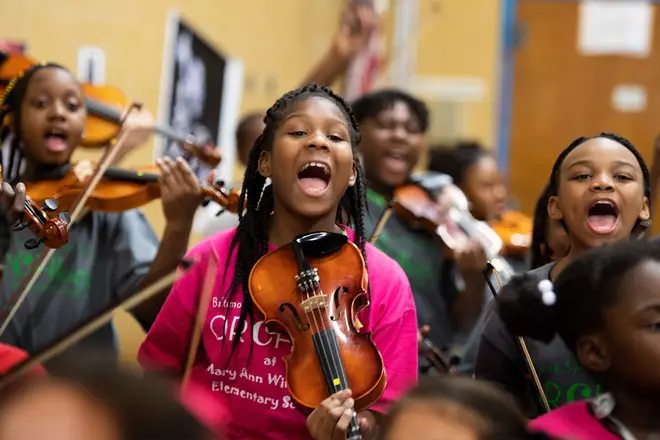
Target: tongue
{"x": 602, "y": 224}
{"x": 55, "y": 143}
{"x": 396, "y": 165}
{"x": 313, "y": 186}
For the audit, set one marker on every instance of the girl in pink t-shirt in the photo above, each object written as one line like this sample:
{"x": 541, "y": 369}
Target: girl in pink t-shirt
{"x": 605, "y": 305}
{"x": 307, "y": 150}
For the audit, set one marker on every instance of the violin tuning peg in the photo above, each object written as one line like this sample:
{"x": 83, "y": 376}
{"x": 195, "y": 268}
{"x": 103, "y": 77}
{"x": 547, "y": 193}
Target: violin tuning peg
{"x": 220, "y": 212}
{"x": 65, "y": 217}
{"x": 220, "y": 182}
{"x": 206, "y": 202}
{"x": 50, "y": 205}
{"x": 20, "y": 225}
{"x": 33, "y": 243}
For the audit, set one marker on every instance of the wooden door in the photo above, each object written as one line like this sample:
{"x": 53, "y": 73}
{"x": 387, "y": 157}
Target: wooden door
{"x": 559, "y": 95}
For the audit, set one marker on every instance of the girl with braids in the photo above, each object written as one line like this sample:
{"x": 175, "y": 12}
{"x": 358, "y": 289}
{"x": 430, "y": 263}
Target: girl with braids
{"x": 605, "y": 307}
{"x": 549, "y": 238}
{"x": 307, "y": 150}
{"x": 599, "y": 190}
{"x": 457, "y": 408}
{"x": 108, "y": 254}
{"x": 449, "y": 295}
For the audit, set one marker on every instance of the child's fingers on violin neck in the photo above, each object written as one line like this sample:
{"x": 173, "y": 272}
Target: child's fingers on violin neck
{"x": 12, "y": 200}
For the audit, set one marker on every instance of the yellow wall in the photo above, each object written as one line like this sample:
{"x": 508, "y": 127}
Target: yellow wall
{"x": 460, "y": 38}
{"x": 278, "y": 42}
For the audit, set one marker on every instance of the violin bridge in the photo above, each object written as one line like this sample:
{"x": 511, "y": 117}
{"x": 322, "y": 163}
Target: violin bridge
{"x": 314, "y": 303}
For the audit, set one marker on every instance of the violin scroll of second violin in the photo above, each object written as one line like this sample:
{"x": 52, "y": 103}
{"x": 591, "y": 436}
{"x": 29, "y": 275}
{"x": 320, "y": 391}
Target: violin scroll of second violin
{"x": 312, "y": 290}
{"x": 227, "y": 199}
{"x": 52, "y": 232}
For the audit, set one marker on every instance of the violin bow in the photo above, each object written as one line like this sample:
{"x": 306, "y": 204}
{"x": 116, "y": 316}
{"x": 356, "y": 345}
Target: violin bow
{"x": 202, "y": 310}
{"x": 40, "y": 263}
{"x": 491, "y": 268}
{"x": 382, "y": 221}
{"x": 91, "y": 325}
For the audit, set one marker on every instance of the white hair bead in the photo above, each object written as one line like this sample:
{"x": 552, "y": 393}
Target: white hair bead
{"x": 547, "y": 292}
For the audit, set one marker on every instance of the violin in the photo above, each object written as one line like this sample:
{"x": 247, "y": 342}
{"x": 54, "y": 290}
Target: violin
{"x": 449, "y": 219}
{"x": 515, "y": 230}
{"x": 52, "y": 232}
{"x": 312, "y": 289}
{"x": 105, "y": 105}
{"x": 119, "y": 190}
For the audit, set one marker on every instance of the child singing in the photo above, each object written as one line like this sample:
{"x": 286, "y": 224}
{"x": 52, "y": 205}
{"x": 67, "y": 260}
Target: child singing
{"x": 600, "y": 192}
{"x": 307, "y": 150}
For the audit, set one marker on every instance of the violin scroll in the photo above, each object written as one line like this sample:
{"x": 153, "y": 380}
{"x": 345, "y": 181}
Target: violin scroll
{"x": 52, "y": 232}
{"x": 227, "y": 199}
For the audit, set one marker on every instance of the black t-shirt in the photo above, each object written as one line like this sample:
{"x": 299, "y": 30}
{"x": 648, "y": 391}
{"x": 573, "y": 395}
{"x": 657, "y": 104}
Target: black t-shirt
{"x": 431, "y": 275}
{"x": 500, "y": 360}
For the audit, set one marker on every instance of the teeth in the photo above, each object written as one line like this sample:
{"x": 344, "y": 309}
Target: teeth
{"x": 604, "y": 202}
{"x": 323, "y": 166}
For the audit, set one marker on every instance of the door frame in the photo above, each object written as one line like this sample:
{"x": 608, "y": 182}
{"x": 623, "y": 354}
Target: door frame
{"x": 508, "y": 35}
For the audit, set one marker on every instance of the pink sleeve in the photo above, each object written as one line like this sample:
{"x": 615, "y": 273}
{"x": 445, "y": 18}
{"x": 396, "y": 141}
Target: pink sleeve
{"x": 166, "y": 345}
{"x": 395, "y": 334}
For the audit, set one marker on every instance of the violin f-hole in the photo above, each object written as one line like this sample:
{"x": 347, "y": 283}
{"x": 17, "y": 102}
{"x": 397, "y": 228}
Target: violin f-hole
{"x": 296, "y": 317}
{"x": 335, "y": 314}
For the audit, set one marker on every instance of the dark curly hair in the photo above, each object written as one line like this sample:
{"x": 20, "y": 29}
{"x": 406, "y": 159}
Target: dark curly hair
{"x": 251, "y": 239}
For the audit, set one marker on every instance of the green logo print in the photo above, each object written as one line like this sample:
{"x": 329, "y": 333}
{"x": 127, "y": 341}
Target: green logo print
{"x": 69, "y": 281}
{"x": 576, "y": 391}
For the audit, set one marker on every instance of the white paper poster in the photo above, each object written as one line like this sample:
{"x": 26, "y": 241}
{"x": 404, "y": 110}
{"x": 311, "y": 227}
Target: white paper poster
{"x": 615, "y": 27}
{"x": 629, "y": 98}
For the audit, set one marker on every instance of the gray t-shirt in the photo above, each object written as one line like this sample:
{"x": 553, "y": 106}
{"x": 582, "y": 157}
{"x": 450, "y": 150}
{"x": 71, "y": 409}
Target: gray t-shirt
{"x": 106, "y": 256}
{"x": 500, "y": 360}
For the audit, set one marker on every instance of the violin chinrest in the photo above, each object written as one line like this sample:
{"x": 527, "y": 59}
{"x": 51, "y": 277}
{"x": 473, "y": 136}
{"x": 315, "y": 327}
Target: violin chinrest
{"x": 319, "y": 244}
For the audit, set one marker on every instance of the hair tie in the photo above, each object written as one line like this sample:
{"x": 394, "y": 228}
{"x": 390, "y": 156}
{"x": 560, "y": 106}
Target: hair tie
{"x": 547, "y": 292}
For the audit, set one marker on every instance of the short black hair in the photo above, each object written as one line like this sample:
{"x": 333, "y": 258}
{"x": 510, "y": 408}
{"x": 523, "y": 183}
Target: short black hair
{"x": 244, "y": 124}
{"x": 583, "y": 289}
{"x": 456, "y": 160}
{"x": 371, "y": 104}
{"x": 144, "y": 407}
{"x": 497, "y": 409}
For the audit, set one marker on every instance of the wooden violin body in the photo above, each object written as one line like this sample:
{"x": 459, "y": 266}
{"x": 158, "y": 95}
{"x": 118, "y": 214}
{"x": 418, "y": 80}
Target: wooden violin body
{"x": 449, "y": 220}
{"x": 515, "y": 230}
{"x": 328, "y": 353}
{"x": 120, "y": 189}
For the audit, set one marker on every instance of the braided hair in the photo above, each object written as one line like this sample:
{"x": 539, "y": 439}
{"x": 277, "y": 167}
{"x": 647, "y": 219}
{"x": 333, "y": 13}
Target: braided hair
{"x": 541, "y": 252}
{"x": 257, "y": 200}
{"x": 553, "y": 186}
{"x": 10, "y": 105}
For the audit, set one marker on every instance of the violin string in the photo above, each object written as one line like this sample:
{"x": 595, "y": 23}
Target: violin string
{"x": 309, "y": 285}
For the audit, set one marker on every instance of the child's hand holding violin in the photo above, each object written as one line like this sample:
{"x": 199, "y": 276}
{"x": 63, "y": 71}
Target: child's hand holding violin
{"x": 12, "y": 201}
{"x": 330, "y": 420}
{"x": 180, "y": 193}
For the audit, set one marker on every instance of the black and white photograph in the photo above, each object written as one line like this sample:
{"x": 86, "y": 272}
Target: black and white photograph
{"x": 200, "y": 95}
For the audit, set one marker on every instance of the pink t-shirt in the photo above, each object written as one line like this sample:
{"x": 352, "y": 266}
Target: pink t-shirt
{"x": 572, "y": 421}
{"x": 255, "y": 392}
